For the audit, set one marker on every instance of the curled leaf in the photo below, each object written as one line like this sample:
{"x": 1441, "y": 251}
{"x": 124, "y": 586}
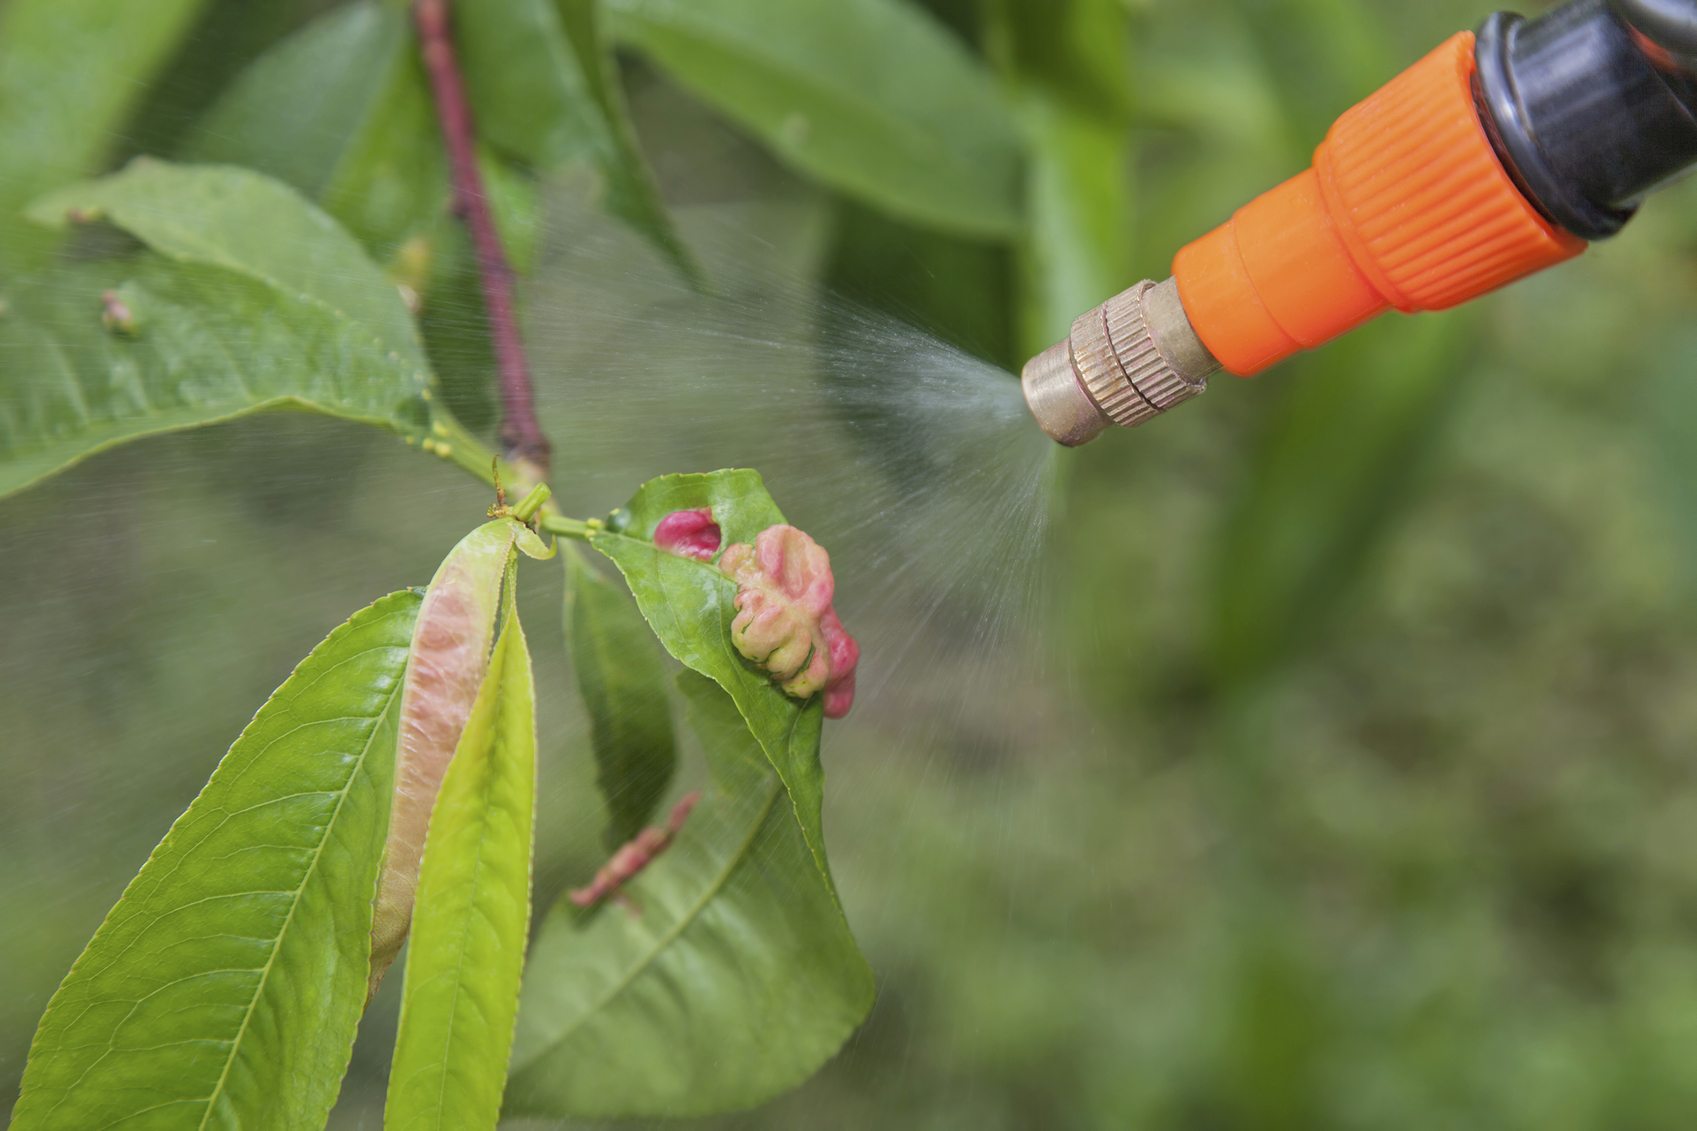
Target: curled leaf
{"x": 689, "y": 534}
{"x": 784, "y": 586}
{"x": 784, "y": 620}
{"x": 451, "y": 647}
{"x": 844, "y": 653}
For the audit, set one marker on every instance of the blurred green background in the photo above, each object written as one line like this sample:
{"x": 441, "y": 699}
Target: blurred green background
{"x": 1350, "y": 780}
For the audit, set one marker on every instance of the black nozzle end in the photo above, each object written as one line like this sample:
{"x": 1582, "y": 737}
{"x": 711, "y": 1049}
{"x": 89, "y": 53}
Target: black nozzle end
{"x": 1585, "y": 110}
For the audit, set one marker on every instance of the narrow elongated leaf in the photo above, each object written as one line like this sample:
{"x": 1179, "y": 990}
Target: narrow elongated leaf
{"x": 688, "y": 604}
{"x": 224, "y": 987}
{"x": 451, "y": 654}
{"x": 544, "y": 90}
{"x": 870, "y": 96}
{"x": 257, "y": 301}
{"x": 623, "y": 683}
{"x": 1065, "y": 65}
{"x": 340, "y": 111}
{"x": 70, "y": 73}
{"x": 462, "y": 979}
{"x": 738, "y": 978}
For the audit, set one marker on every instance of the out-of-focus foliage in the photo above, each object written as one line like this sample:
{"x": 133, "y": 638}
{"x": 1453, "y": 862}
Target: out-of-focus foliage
{"x": 1366, "y": 802}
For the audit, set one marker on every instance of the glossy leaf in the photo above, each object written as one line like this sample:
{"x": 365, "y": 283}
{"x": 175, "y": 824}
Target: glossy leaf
{"x": 623, "y": 683}
{"x": 255, "y": 300}
{"x": 545, "y": 92}
{"x": 462, "y": 980}
{"x": 340, "y": 111}
{"x": 71, "y": 71}
{"x": 451, "y": 651}
{"x": 870, "y": 96}
{"x": 688, "y": 605}
{"x": 737, "y": 979}
{"x": 224, "y": 987}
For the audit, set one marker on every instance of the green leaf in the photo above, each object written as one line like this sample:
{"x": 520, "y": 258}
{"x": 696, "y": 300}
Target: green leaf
{"x": 688, "y": 605}
{"x": 623, "y": 683}
{"x": 462, "y": 981}
{"x": 544, "y": 90}
{"x": 224, "y": 987}
{"x": 255, "y": 300}
{"x": 1064, "y": 63}
{"x": 340, "y": 110}
{"x": 870, "y": 96}
{"x": 251, "y": 225}
{"x": 71, "y": 71}
{"x": 736, "y": 981}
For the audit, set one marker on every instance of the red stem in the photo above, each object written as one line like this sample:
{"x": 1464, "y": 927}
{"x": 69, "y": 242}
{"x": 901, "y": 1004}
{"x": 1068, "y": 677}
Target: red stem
{"x": 520, "y": 432}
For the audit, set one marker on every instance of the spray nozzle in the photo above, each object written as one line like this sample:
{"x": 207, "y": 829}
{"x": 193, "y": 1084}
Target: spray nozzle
{"x": 1131, "y": 358}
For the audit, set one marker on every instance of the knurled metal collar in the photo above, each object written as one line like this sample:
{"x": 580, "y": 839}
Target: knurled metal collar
{"x": 1119, "y": 364}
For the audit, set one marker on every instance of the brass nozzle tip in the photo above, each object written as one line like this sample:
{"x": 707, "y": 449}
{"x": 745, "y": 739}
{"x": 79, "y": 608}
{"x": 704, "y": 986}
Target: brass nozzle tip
{"x": 1128, "y": 360}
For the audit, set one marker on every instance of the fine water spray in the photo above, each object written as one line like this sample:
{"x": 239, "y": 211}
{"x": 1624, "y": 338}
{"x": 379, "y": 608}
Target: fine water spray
{"x": 1499, "y": 154}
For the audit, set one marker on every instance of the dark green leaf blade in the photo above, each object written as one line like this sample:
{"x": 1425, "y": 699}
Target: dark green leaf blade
{"x": 340, "y": 111}
{"x": 688, "y": 605}
{"x": 736, "y": 981}
{"x": 224, "y": 987}
{"x": 70, "y": 73}
{"x": 543, "y": 87}
{"x": 870, "y": 96}
{"x": 623, "y": 683}
{"x": 473, "y": 913}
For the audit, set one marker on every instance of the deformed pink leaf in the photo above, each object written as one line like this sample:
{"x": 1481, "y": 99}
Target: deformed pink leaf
{"x": 844, "y": 653}
{"x": 450, "y": 654}
{"x": 633, "y": 856}
{"x": 784, "y": 620}
{"x": 689, "y": 534}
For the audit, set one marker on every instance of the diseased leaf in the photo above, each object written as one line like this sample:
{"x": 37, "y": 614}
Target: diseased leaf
{"x": 544, "y": 91}
{"x": 462, "y": 979}
{"x": 340, "y": 111}
{"x": 870, "y": 96}
{"x": 224, "y": 987}
{"x": 623, "y": 682}
{"x": 688, "y": 605}
{"x": 736, "y": 981}
{"x": 255, "y": 300}
{"x": 71, "y": 71}
{"x": 451, "y": 650}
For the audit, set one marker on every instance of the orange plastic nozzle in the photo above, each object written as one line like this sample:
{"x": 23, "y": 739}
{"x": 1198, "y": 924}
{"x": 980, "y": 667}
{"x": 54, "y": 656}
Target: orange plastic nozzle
{"x": 1406, "y": 206}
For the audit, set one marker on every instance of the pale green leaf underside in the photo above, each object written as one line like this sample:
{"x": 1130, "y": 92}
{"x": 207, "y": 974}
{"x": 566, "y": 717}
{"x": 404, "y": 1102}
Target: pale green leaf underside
{"x": 872, "y": 97}
{"x": 736, "y": 981}
{"x": 218, "y": 325}
{"x": 226, "y": 217}
{"x": 473, "y": 912}
{"x": 622, "y": 678}
{"x": 224, "y": 987}
{"x": 688, "y": 604}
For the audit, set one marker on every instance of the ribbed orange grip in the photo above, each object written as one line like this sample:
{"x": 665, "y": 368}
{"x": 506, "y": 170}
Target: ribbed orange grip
{"x": 1406, "y": 206}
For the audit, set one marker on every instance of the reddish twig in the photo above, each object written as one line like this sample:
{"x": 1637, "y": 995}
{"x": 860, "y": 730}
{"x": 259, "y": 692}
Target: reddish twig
{"x": 633, "y": 856}
{"x": 520, "y": 432}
